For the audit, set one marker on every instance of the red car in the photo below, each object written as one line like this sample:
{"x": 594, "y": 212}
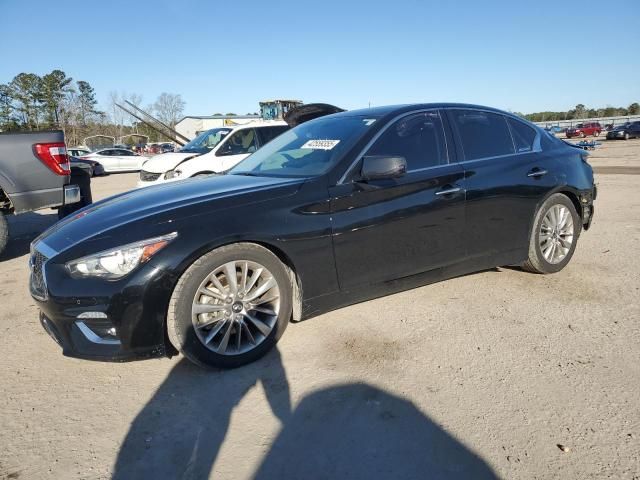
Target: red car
{"x": 584, "y": 129}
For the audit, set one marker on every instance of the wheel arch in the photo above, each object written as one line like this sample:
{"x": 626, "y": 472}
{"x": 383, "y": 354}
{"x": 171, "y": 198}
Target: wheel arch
{"x": 6, "y": 205}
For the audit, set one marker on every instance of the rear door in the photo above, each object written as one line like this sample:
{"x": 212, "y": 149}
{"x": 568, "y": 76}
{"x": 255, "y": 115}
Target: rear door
{"x": 507, "y": 175}
{"x": 386, "y": 229}
{"x": 128, "y": 160}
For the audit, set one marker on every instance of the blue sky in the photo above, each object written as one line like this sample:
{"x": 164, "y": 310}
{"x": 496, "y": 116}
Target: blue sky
{"x": 226, "y": 56}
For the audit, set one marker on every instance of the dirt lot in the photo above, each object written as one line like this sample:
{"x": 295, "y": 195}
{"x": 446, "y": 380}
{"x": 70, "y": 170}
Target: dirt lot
{"x": 505, "y": 373}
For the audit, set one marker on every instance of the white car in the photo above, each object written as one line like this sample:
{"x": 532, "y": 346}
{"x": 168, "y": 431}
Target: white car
{"x": 78, "y": 151}
{"x": 117, "y": 159}
{"x": 213, "y": 151}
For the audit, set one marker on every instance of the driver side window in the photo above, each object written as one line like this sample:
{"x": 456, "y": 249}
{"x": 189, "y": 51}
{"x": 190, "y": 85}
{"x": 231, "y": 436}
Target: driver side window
{"x": 419, "y": 138}
{"x": 242, "y": 142}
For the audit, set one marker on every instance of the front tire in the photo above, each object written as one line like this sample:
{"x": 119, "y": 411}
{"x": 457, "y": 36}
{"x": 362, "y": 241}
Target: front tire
{"x": 626, "y": 136}
{"x": 231, "y": 306}
{"x": 555, "y": 233}
{"x": 4, "y": 232}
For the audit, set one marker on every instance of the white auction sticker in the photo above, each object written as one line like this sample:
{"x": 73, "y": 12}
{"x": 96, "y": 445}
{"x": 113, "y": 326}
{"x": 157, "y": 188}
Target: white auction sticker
{"x": 321, "y": 144}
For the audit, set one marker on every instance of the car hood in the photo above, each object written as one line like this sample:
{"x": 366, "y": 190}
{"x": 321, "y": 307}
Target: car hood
{"x": 166, "y": 161}
{"x": 168, "y": 203}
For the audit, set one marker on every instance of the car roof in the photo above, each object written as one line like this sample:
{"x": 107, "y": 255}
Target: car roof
{"x": 399, "y": 109}
{"x": 259, "y": 123}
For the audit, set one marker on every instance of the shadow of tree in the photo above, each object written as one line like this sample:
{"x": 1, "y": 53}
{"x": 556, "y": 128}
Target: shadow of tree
{"x": 180, "y": 430}
{"x": 353, "y": 431}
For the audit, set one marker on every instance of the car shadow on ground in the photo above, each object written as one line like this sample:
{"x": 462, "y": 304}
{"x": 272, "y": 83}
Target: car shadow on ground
{"x": 23, "y": 229}
{"x": 353, "y": 431}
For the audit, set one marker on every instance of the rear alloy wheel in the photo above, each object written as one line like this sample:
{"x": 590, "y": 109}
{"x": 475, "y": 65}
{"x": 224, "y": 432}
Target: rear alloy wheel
{"x": 555, "y": 233}
{"x": 596, "y": 133}
{"x": 231, "y": 306}
{"x": 4, "y": 232}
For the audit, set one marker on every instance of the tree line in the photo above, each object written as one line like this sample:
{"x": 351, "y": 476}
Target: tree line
{"x": 56, "y": 101}
{"x": 580, "y": 111}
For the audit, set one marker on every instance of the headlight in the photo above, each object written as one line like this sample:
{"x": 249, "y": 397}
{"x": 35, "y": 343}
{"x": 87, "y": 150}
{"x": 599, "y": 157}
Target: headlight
{"x": 172, "y": 174}
{"x": 117, "y": 262}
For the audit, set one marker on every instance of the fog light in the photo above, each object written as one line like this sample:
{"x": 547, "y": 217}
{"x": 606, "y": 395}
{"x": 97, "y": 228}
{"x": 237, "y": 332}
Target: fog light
{"x": 99, "y": 332}
{"x": 92, "y": 315}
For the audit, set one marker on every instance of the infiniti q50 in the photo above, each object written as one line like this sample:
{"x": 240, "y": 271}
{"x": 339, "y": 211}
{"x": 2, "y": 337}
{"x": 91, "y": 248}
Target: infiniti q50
{"x": 337, "y": 210}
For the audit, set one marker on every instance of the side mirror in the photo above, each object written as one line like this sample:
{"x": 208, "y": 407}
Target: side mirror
{"x": 378, "y": 167}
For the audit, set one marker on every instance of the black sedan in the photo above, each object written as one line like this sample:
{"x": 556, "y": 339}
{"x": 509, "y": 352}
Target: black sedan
{"x": 338, "y": 210}
{"x": 93, "y": 168}
{"x": 625, "y": 132}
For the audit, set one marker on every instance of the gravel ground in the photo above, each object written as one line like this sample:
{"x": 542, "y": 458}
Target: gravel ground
{"x": 497, "y": 374}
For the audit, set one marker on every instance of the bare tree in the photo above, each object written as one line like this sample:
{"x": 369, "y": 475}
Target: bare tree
{"x": 117, "y": 115}
{"x": 169, "y": 107}
{"x": 136, "y": 99}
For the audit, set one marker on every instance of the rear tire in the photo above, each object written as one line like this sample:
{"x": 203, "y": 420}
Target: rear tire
{"x": 241, "y": 323}
{"x": 554, "y": 235}
{"x": 4, "y": 232}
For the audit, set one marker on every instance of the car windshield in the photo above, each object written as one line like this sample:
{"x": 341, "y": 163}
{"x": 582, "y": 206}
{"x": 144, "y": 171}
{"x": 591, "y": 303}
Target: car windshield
{"x": 580, "y": 125}
{"x": 206, "y": 141}
{"x": 308, "y": 150}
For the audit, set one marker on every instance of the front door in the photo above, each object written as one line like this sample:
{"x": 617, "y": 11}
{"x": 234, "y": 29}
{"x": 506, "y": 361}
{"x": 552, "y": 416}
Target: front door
{"x": 388, "y": 229}
{"x": 235, "y": 148}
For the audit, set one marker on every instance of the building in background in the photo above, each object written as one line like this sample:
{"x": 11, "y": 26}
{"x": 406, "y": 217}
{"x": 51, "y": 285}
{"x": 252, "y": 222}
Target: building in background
{"x": 193, "y": 125}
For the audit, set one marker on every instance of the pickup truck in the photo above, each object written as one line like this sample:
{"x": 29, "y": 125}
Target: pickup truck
{"x": 34, "y": 174}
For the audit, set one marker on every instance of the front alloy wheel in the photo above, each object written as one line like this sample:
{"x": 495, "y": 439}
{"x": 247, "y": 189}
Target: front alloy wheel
{"x": 236, "y": 307}
{"x": 231, "y": 306}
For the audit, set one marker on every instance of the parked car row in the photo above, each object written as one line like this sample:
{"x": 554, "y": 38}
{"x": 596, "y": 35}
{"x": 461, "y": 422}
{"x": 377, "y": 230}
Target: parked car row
{"x": 337, "y": 210}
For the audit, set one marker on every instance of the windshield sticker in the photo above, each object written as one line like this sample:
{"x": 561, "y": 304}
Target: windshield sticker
{"x": 321, "y": 144}
{"x": 368, "y": 121}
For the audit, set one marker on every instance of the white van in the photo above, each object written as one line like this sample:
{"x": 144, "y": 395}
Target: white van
{"x": 213, "y": 151}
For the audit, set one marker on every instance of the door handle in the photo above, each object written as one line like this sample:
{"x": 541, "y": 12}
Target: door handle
{"x": 537, "y": 172}
{"x": 448, "y": 191}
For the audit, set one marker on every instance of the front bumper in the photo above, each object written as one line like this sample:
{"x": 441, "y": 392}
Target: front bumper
{"x": 80, "y": 339}
{"x": 100, "y": 320}
{"x": 615, "y": 135}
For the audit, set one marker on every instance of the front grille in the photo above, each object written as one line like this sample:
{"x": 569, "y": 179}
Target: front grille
{"x": 149, "y": 176}
{"x": 37, "y": 281}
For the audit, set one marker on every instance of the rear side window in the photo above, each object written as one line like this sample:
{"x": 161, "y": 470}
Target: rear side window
{"x": 266, "y": 134}
{"x": 523, "y": 136}
{"x": 419, "y": 138}
{"x": 483, "y": 134}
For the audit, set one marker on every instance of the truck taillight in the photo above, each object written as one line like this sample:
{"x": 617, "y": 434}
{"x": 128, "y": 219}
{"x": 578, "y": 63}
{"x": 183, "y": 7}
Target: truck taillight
{"x": 54, "y": 156}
